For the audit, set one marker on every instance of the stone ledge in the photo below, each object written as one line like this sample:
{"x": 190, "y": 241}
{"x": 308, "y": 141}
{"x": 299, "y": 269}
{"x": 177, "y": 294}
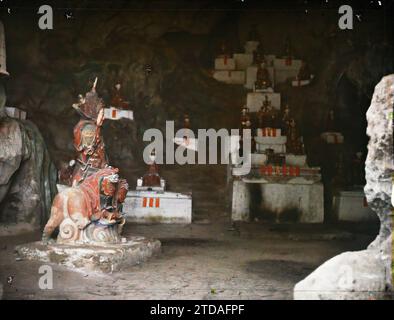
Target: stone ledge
{"x": 100, "y": 258}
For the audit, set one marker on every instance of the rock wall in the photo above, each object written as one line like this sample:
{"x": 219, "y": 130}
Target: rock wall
{"x": 179, "y": 41}
{"x": 365, "y": 274}
{"x": 28, "y": 177}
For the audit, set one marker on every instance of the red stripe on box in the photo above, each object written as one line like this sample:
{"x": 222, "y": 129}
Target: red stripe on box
{"x": 157, "y": 202}
{"x": 151, "y": 202}
{"x": 114, "y": 113}
{"x": 144, "y": 201}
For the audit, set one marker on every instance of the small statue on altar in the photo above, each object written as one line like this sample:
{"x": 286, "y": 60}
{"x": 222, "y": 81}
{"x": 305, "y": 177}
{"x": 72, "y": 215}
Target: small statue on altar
{"x": 331, "y": 122}
{"x": 285, "y": 121}
{"x": 152, "y": 178}
{"x": 117, "y": 99}
{"x": 90, "y": 212}
{"x": 294, "y": 143}
{"x": 264, "y": 114}
{"x": 245, "y": 116}
{"x": 263, "y": 80}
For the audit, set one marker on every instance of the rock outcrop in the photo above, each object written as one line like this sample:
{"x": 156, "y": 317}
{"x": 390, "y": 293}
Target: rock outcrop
{"x": 365, "y": 274}
{"x": 28, "y": 177}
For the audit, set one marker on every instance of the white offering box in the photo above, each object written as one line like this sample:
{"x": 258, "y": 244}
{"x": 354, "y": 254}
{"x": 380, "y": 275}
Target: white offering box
{"x": 243, "y": 60}
{"x": 158, "y": 207}
{"x": 251, "y": 46}
{"x": 284, "y": 71}
{"x": 15, "y": 113}
{"x": 251, "y": 75}
{"x": 230, "y": 77}
{"x": 254, "y": 100}
{"x": 352, "y": 206}
{"x": 278, "y": 144}
{"x": 116, "y": 114}
{"x": 224, "y": 63}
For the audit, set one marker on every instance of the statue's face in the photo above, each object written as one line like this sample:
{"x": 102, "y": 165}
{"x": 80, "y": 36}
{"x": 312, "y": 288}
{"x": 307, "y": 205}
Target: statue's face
{"x": 88, "y": 134}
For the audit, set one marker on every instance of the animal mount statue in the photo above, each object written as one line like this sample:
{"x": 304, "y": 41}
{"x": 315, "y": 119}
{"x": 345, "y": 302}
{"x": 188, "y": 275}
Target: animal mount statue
{"x": 90, "y": 212}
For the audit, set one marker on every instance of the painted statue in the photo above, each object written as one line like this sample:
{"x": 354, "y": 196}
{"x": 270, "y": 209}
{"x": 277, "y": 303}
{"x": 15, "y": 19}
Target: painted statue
{"x": 90, "y": 212}
{"x": 245, "y": 116}
{"x": 263, "y": 80}
{"x": 285, "y": 121}
{"x": 294, "y": 144}
{"x": 264, "y": 114}
{"x": 152, "y": 177}
{"x": 88, "y": 141}
{"x": 117, "y": 99}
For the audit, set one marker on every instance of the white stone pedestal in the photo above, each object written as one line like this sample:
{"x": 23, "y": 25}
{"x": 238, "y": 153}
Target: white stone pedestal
{"x": 351, "y": 206}
{"x": 158, "y": 207}
{"x": 278, "y": 144}
{"x": 240, "y": 201}
{"x": 254, "y": 100}
{"x": 99, "y": 258}
{"x": 230, "y": 77}
{"x": 305, "y": 201}
{"x": 224, "y": 63}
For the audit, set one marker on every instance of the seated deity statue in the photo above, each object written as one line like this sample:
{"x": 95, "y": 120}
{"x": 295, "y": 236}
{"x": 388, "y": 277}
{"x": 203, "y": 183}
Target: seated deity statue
{"x": 285, "y": 121}
{"x": 90, "y": 212}
{"x": 294, "y": 144}
{"x": 263, "y": 80}
{"x": 152, "y": 177}
{"x": 117, "y": 99}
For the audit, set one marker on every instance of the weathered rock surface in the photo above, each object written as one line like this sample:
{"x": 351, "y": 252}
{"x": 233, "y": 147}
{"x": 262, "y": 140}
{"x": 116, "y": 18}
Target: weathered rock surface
{"x": 100, "y": 258}
{"x": 27, "y": 176}
{"x": 366, "y": 273}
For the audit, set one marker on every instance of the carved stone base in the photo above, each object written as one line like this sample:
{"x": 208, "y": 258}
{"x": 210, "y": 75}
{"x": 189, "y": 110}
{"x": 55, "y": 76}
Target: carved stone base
{"x": 100, "y": 258}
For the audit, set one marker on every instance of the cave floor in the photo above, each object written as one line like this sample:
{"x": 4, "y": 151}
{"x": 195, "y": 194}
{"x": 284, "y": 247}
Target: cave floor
{"x": 204, "y": 260}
